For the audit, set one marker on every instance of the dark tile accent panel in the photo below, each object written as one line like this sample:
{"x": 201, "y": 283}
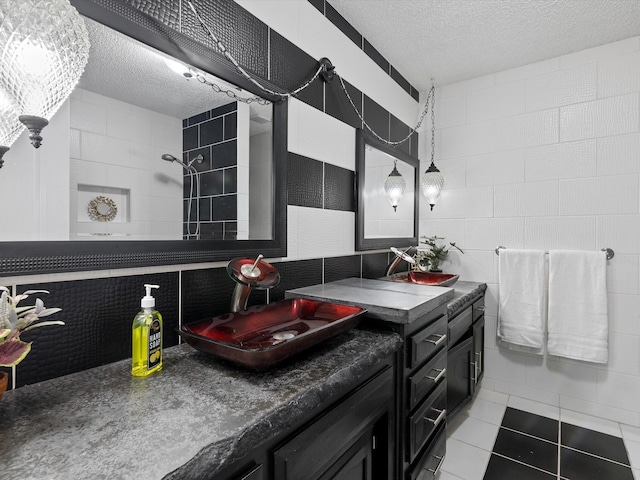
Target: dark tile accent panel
{"x": 224, "y": 207}
{"x": 376, "y": 56}
{"x": 230, "y": 230}
{"x": 211, "y": 131}
{"x": 576, "y": 465}
{"x": 501, "y": 468}
{"x": 337, "y": 268}
{"x": 194, "y": 209}
{"x": 400, "y": 130}
{"x": 337, "y": 104}
{"x": 245, "y": 36}
{"x": 232, "y": 106}
{"x": 415, "y": 144}
{"x": 211, "y": 183}
{"x": 593, "y": 442}
{"x": 400, "y": 80}
{"x": 291, "y": 67}
{"x": 344, "y": 26}
{"x": 296, "y": 274}
{"x": 376, "y": 117}
{"x": 201, "y": 117}
{"x": 374, "y": 265}
{"x": 339, "y": 188}
{"x": 415, "y": 93}
{"x": 319, "y": 4}
{"x": 526, "y": 449}
{"x": 531, "y": 424}
{"x": 230, "y": 180}
{"x": 7, "y": 370}
{"x": 190, "y": 138}
{"x": 224, "y": 154}
{"x": 230, "y": 126}
{"x": 98, "y": 315}
{"x": 304, "y": 181}
{"x": 187, "y": 158}
{"x": 204, "y": 205}
{"x": 207, "y": 293}
{"x": 212, "y": 231}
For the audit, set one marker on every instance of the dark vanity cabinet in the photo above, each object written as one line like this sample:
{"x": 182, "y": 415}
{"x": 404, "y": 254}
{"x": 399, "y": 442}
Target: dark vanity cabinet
{"x": 350, "y": 439}
{"x": 465, "y": 358}
{"x": 422, "y": 393}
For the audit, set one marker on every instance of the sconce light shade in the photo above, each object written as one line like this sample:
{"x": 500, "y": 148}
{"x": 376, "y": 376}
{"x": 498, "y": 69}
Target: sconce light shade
{"x": 394, "y": 186}
{"x": 44, "y": 47}
{"x": 431, "y": 184}
{"x": 10, "y": 126}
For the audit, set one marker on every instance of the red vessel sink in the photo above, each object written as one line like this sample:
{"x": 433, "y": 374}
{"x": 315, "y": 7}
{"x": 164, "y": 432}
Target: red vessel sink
{"x": 425, "y": 278}
{"x": 263, "y": 336}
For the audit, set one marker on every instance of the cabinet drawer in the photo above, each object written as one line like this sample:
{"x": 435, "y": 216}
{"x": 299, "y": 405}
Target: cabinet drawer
{"x": 426, "y": 378}
{"x": 428, "y": 466}
{"x": 426, "y": 419}
{"x": 427, "y": 341}
{"x": 459, "y": 325}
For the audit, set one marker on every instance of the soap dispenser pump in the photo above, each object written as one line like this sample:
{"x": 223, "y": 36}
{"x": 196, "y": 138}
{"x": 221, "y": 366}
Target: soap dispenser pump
{"x": 146, "y": 338}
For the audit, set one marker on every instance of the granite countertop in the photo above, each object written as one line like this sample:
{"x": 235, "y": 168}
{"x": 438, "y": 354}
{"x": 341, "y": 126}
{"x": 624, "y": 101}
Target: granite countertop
{"x": 464, "y": 291}
{"x": 186, "y": 421}
{"x": 391, "y": 301}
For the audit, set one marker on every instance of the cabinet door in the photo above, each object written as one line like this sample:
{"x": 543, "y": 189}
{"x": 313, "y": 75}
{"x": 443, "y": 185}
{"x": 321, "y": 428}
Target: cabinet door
{"x": 256, "y": 473}
{"x": 478, "y": 351}
{"x": 356, "y": 463}
{"x": 459, "y": 376}
{"x": 316, "y": 449}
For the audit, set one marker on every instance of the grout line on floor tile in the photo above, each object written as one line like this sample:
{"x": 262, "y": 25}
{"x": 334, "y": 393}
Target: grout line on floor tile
{"x": 528, "y": 435}
{"x": 559, "y": 446}
{"x": 596, "y": 456}
{"x": 522, "y": 463}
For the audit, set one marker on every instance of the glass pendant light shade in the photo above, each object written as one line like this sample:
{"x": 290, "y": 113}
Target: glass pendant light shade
{"x": 431, "y": 184}
{"x": 10, "y": 126}
{"x": 44, "y": 47}
{"x": 394, "y": 187}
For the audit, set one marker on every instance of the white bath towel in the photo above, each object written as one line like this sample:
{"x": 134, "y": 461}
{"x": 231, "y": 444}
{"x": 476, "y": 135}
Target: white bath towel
{"x": 578, "y": 321}
{"x": 522, "y": 289}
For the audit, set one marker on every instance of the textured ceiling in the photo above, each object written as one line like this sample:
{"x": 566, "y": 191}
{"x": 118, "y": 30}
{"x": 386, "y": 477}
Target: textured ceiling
{"x": 454, "y": 40}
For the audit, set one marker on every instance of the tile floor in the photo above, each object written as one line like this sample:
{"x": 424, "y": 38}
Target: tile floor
{"x": 500, "y": 437}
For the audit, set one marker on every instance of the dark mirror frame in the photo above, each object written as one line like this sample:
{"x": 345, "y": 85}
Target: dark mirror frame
{"x": 364, "y": 138}
{"x": 37, "y": 257}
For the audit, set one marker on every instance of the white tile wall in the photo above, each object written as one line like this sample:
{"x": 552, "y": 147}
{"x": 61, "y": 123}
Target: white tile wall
{"x": 562, "y": 174}
{"x": 117, "y": 145}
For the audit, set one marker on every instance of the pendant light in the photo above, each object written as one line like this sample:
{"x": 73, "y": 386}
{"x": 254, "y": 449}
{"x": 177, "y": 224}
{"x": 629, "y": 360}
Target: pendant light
{"x": 394, "y": 186}
{"x": 10, "y": 126}
{"x": 432, "y": 181}
{"x": 44, "y": 47}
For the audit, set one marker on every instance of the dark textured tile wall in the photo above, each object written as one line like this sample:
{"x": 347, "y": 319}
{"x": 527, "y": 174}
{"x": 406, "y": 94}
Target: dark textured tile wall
{"x": 212, "y": 134}
{"x": 98, "y": 315}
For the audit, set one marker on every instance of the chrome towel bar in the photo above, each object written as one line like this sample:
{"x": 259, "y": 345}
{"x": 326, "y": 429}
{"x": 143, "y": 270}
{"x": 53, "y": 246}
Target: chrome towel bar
{"x": 610, "y": 252}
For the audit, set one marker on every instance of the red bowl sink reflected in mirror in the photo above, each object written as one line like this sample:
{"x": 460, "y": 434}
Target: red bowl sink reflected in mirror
{"x": 265, "y": 335}
{"x": 425, "y": 278}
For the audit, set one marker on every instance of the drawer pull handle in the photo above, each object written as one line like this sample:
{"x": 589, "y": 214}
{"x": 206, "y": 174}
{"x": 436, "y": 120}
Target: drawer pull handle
{"x": 437, "y": 469}
{"x": 480, "y": 308}
{"x": 479, "y": 355}
{"x": 475, "y": 372}
{"x": 441, "y": 414}
{"x": 441, "y": 373}
{"x": 439, "y": 341}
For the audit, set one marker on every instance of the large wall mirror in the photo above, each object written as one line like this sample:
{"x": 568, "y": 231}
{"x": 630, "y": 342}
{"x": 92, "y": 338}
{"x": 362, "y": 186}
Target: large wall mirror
{"x": 379, "y": 224}
{"x": 159, "y": 168}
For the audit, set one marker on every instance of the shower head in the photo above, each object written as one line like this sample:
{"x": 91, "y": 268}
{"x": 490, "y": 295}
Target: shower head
{"x": 170, "y": 158}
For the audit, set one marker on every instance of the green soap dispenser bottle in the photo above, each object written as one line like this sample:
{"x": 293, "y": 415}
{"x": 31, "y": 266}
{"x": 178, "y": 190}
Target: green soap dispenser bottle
{"x": 146, "y": 340}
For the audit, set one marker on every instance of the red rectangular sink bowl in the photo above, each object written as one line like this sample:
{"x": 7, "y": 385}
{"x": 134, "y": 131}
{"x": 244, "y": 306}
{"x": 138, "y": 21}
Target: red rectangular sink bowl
{"x": 265, "y": 335}
{"x": 425, "y": 278}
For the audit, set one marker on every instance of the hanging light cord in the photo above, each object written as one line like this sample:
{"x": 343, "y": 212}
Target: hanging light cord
{"x": 241, "y": 70}
{"x": 322, "y": 68}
